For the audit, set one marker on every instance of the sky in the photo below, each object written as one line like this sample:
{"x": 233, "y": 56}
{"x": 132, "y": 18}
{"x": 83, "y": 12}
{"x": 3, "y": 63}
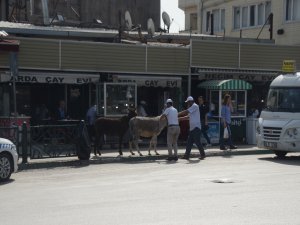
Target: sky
{"x": 171, "y": 7}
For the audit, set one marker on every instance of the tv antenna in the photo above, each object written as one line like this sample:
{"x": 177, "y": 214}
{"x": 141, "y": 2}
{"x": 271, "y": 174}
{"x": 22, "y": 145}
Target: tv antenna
{"x": 167, "y": 20}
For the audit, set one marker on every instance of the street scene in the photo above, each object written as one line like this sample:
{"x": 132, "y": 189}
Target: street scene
{"x": 149, "y": 112}
{"x": 222, "y": 189}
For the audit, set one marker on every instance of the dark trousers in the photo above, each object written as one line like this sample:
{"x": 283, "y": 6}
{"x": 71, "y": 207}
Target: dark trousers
{"x": 194, "y": 137}
{"x": 204, "y": 133}
{"x": 223, "y": 141}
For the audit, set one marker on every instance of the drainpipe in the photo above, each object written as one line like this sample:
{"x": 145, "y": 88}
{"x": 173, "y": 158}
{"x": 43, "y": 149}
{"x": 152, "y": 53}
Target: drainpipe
{"x": 201, "y": 17}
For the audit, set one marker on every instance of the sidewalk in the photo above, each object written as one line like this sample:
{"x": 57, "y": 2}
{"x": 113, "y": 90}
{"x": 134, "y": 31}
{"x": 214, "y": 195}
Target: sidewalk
{"x": 111, "y": 156}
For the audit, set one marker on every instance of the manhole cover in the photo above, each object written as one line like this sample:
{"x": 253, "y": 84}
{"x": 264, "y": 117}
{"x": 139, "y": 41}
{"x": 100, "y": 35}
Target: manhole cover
{"x": 223, "y": 181}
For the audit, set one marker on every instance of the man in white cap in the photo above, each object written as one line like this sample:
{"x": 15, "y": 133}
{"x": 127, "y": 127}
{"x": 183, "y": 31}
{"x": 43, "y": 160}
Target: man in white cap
{"x": 193, "y": 114}
{"x": 171, "y": 114}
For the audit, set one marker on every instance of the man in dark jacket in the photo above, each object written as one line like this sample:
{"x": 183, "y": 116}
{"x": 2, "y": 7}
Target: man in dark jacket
{"x": 203, "y": 118}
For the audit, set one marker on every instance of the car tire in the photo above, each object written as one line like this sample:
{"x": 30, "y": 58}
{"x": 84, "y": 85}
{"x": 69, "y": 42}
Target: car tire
{"x": 280, "y": 154}
{"x": 6, "y": 166}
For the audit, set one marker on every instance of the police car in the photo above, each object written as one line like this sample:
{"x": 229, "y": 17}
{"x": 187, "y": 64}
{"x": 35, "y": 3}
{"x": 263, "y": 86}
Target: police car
{"x": 8, "y": 159}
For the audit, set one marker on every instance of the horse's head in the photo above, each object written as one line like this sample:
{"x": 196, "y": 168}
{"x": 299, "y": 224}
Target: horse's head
{"x": 131, "y": 113}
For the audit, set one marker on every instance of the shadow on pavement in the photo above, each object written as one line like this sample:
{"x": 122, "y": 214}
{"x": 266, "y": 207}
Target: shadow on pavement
{"x": 288, "y": 160}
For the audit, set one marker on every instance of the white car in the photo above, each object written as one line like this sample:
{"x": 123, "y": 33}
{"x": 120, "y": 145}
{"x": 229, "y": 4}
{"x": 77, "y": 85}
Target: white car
{"x": 8, "y": 159}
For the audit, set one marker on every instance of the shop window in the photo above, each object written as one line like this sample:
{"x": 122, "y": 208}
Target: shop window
{"x": 238, "y": 102}
{"x": 118, "y": 97}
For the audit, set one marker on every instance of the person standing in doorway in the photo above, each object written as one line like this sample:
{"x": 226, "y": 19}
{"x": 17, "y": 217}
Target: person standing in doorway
{"x": 91, "y": 116}
{"x": 61, "y": 112}
{"x": 171, "y": 114}
{"x": 203, "y": 118}
{"x": 193, "y": 114}
{"x": 141, "y": 111}
{"x": 225, "y": 123}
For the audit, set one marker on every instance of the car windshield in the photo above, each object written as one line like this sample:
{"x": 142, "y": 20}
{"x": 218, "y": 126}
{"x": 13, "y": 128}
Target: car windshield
{"x": 283, "y": 100}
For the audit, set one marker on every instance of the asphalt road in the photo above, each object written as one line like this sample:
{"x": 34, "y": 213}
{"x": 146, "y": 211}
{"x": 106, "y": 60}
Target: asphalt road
{"x": 246, "y": 189}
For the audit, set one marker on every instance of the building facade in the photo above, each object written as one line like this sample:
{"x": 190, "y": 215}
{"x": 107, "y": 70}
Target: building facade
{"x": 244, "y": 18}
{"x": 81, "y": 12}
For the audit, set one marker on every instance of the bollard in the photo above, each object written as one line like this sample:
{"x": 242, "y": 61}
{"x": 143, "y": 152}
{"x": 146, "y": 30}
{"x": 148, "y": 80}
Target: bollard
{"x": 24, "y": 143}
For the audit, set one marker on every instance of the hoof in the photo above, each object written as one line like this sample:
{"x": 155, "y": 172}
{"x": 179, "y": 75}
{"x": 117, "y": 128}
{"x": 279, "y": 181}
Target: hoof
{"x": 157, "y": 153}
{"x": 149, "y": 153}
{"x": 132, "y": 153}
{"x": 141, "y": 154}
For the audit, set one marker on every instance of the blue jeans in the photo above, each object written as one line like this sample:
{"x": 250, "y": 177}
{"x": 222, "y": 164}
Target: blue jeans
{"x": 194, "y": 137}
{"x": 227, "y": 140}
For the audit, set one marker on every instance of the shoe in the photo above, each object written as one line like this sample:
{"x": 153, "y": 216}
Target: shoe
{"x": 170, "y": 158}
{"x": 202, "y": 157}
{"x": 232, "y": 147}
{"x": 175, "y": 158}
{"x": 185, "y": 157}
{"x": 223, "y": 148}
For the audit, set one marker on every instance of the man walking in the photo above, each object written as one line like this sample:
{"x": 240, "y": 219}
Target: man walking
{"x": 203, "y": 118}
{"x": 171, "y": 114}
{"x": 193, "y": 114}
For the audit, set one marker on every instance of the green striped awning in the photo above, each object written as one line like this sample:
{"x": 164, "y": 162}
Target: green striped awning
{"x": 225, "y": 85}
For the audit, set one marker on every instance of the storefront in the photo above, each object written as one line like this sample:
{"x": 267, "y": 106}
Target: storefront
{"x": 123, "y": 90}
{"x": 36, "y": 90}
{"x": 237, "y": 89}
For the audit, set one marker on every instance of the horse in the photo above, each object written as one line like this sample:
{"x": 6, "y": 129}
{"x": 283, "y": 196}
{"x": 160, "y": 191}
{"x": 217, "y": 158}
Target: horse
{"x": 111, "y": 127}
{"x": 145, "y": 127}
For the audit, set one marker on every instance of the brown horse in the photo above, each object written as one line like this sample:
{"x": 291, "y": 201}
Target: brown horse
{"x": 112, "y": 127}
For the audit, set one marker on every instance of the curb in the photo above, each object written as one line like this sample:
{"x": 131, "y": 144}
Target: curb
{"x": 94, "y": 160}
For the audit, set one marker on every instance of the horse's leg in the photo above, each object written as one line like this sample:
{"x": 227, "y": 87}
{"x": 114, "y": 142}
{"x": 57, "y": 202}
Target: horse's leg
{"x": 130, "y": 148}
{"x": 155, "y": 144}
{"x": 96, "y": 145}
{"x": 136, "y": 142}
{"x": 120, "y": 145}
{"x": 150, "y": 145}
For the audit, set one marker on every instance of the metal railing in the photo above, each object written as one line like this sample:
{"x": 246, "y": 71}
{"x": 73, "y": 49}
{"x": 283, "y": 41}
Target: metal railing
{"x": 49, "y": 140}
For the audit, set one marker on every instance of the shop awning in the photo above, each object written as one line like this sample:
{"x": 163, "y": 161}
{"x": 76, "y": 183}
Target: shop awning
{"x": 9, "y": 45}
{"x": 225, "y": 85}
{"x": 51, "y": 78}
{"x": 149, "y": 81}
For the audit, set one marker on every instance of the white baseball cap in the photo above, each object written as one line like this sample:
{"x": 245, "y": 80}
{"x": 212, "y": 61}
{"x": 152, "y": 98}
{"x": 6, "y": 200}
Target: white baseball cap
{"x": 169, "y": 101}
{"x": 190, "y": 98}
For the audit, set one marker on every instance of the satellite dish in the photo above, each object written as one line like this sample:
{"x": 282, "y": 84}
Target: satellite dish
{"x": 150, "y": 27}
{"x": 128, "y": 21}
{"x": 166, "y": 19}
